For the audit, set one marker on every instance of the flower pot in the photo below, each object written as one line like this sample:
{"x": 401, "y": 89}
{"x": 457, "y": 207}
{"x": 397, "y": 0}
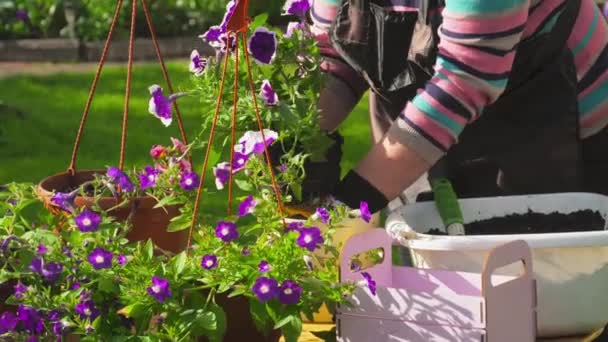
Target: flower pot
{"x": 147, "y": 222}
{"x": 571, "y": 269}
{"x": 6, "y": 290}
{"x": 240, "y": 325}
{"x": 347, "y": 229}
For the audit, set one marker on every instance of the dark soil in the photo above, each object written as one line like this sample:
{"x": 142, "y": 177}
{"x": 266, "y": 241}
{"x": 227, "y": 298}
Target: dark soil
{"x": 534, "y": 223}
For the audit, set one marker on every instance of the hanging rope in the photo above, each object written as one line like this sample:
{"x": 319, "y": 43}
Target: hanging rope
{"x": 125, "y": 117}
{"x": 180, "y": 123}
{"x": 87, "y": 107}
{"x": 233, "y": 128}
{"x": 237, "y": 24}
{"x": 207, "y": 153}
{"x": 72, "y": 166}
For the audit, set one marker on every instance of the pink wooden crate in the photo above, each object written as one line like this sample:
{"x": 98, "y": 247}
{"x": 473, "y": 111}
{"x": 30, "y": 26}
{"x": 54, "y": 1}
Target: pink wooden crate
{"x": 434, "y": 305}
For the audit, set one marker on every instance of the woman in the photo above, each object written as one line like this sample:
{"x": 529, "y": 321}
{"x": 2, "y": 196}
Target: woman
{"x": 518, "y": 84}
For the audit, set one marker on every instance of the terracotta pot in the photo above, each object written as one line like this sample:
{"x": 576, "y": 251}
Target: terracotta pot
{"x": 148, "y": 222}
{"x": 240, "y": 324}
{"x": 7, "y": 290}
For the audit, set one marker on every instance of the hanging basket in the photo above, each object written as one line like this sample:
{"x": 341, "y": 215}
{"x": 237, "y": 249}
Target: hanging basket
{"x": 147, "y": 222}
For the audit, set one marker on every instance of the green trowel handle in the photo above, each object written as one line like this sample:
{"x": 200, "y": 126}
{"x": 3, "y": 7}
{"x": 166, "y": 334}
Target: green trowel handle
{"x": 446, "y": 202}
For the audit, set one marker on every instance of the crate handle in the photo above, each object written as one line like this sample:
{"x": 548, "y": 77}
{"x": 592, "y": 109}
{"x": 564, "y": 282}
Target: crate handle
{"x": 504, "y": 255}
{"x": 361, "y": 243}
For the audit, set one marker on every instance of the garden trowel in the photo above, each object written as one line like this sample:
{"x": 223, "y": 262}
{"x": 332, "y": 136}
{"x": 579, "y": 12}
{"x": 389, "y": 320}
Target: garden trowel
{"x": 448, "y": 206}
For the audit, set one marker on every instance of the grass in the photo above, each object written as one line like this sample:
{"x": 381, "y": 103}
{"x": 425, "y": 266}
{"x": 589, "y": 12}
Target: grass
{"x": 41, "y": 143}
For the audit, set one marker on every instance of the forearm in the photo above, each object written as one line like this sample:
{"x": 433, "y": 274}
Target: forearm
{"x": 336, "y": 101}
{"x": 390, "y": 166}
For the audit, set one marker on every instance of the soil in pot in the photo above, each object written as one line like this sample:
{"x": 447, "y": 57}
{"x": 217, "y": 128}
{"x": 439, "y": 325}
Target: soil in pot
{"x": 147, "y": 222}
{"x": 535, "y": 223}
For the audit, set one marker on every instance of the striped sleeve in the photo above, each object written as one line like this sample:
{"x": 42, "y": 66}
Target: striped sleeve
{"x": 476, "y": 53}
{"x": 323, "y": 13}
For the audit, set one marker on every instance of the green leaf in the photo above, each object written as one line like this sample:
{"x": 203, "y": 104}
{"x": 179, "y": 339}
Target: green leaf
{"x": 292, "y": 330}
{"x": 39, "y": 235}
{"x": 259, "y": 21}
{"x": 236, "y": 292}
{"x": 243, "y": 185}
{"x": 180, "y": 263}
{"x": 5, "y": 276}
{"x": 284, "y": 321}
{"x": 259, "y": 315}
{"x": 179, "y": 223}
{"x": 133, "y": 310}
{"x": 203, "y": 321}
{"x": 107, "y": 285}
{"x": 297, "y": 191}
{"x": 149, "y": 250}
{"x": 169, "y": 200}
{"x": 221, "y": 323}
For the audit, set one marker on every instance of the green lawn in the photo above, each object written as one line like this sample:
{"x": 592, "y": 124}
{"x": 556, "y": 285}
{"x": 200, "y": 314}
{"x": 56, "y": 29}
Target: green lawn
{"x": 40, "y": 144}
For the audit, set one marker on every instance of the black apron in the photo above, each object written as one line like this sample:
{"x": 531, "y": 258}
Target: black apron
{"x": 526, "y": 142}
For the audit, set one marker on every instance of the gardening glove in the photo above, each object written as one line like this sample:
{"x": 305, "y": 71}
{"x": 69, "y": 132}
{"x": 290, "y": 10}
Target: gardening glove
{"x": 354, "y": 189}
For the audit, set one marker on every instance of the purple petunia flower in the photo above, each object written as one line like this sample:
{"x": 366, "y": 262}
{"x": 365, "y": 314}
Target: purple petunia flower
{"x": 198, "y": 64}
{"x": 147, "y": 179}
{"x": 65, "y": 200}
{"x": 239, "y": 161}
{"x": 20, "y": 290}
{"x": 160, "y": 105}
{"x": 226, "y": 231}
{"x": 283, "y": 168}
{"x": 309, "y": 238}
{"x": 209, "y": 261}
{"x": 42, "y": 249}
{"x": 30, "y": 319}
{"x": 294, "y": 226}
{"x": 58, "y": 330}
{"x": 212, "y": 36}
{"x": 54, "y": 315}
{"x": 8, "y": 322}
{"x": 157, "y": 151}
{"x": 120, "y": 178}
{"x": 366, "y": 215}
{"x": 292, "y": 27}
{"x": 265, "y": 289}
{"x": 22, "y": 15}
{"x": 371, "y": 284}
{"x": 247, "y": 206}
{"x": 179, "y": 145}
{"x": 75, "y": 286}
{"x": 121, "y": 260}
{"x": 296, "y": 7}
{"x": 263, "y": 45}
{"x": 32, "y": 339}
{"x": 100, "y": 258}
{"x": 253, "y": 142}
{"x": 185, "y": 165}
{"x": 245, "y": 252}
{"x": 222, "y": 175}
{"x": 189, "y": 181}
{"x": 264, "y": 266}
{"x": 323, "y": 215}
{"x": 290, "y": 293}
{"x": 606, "y": 9}
{"x": 87, "y": 221}
{"x": 160, "y": 289}
{"x": 268, "y": 95}
{"x": 227, "y": 43}
{"x": 87, "y": 310}
{"x": 50, "y": 271}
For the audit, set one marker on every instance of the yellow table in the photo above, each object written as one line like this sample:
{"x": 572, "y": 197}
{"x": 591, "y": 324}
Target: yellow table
{"x": 308, "y": 337}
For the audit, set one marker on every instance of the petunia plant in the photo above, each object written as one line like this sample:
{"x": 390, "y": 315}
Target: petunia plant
{"x": 288, "y": 81}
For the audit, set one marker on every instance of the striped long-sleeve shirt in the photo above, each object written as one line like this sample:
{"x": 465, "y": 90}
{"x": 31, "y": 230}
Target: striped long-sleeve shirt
{"x": 477, "y": 47}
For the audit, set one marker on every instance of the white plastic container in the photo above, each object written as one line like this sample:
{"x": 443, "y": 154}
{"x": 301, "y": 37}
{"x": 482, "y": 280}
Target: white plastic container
{"x": 571, "y": 269}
